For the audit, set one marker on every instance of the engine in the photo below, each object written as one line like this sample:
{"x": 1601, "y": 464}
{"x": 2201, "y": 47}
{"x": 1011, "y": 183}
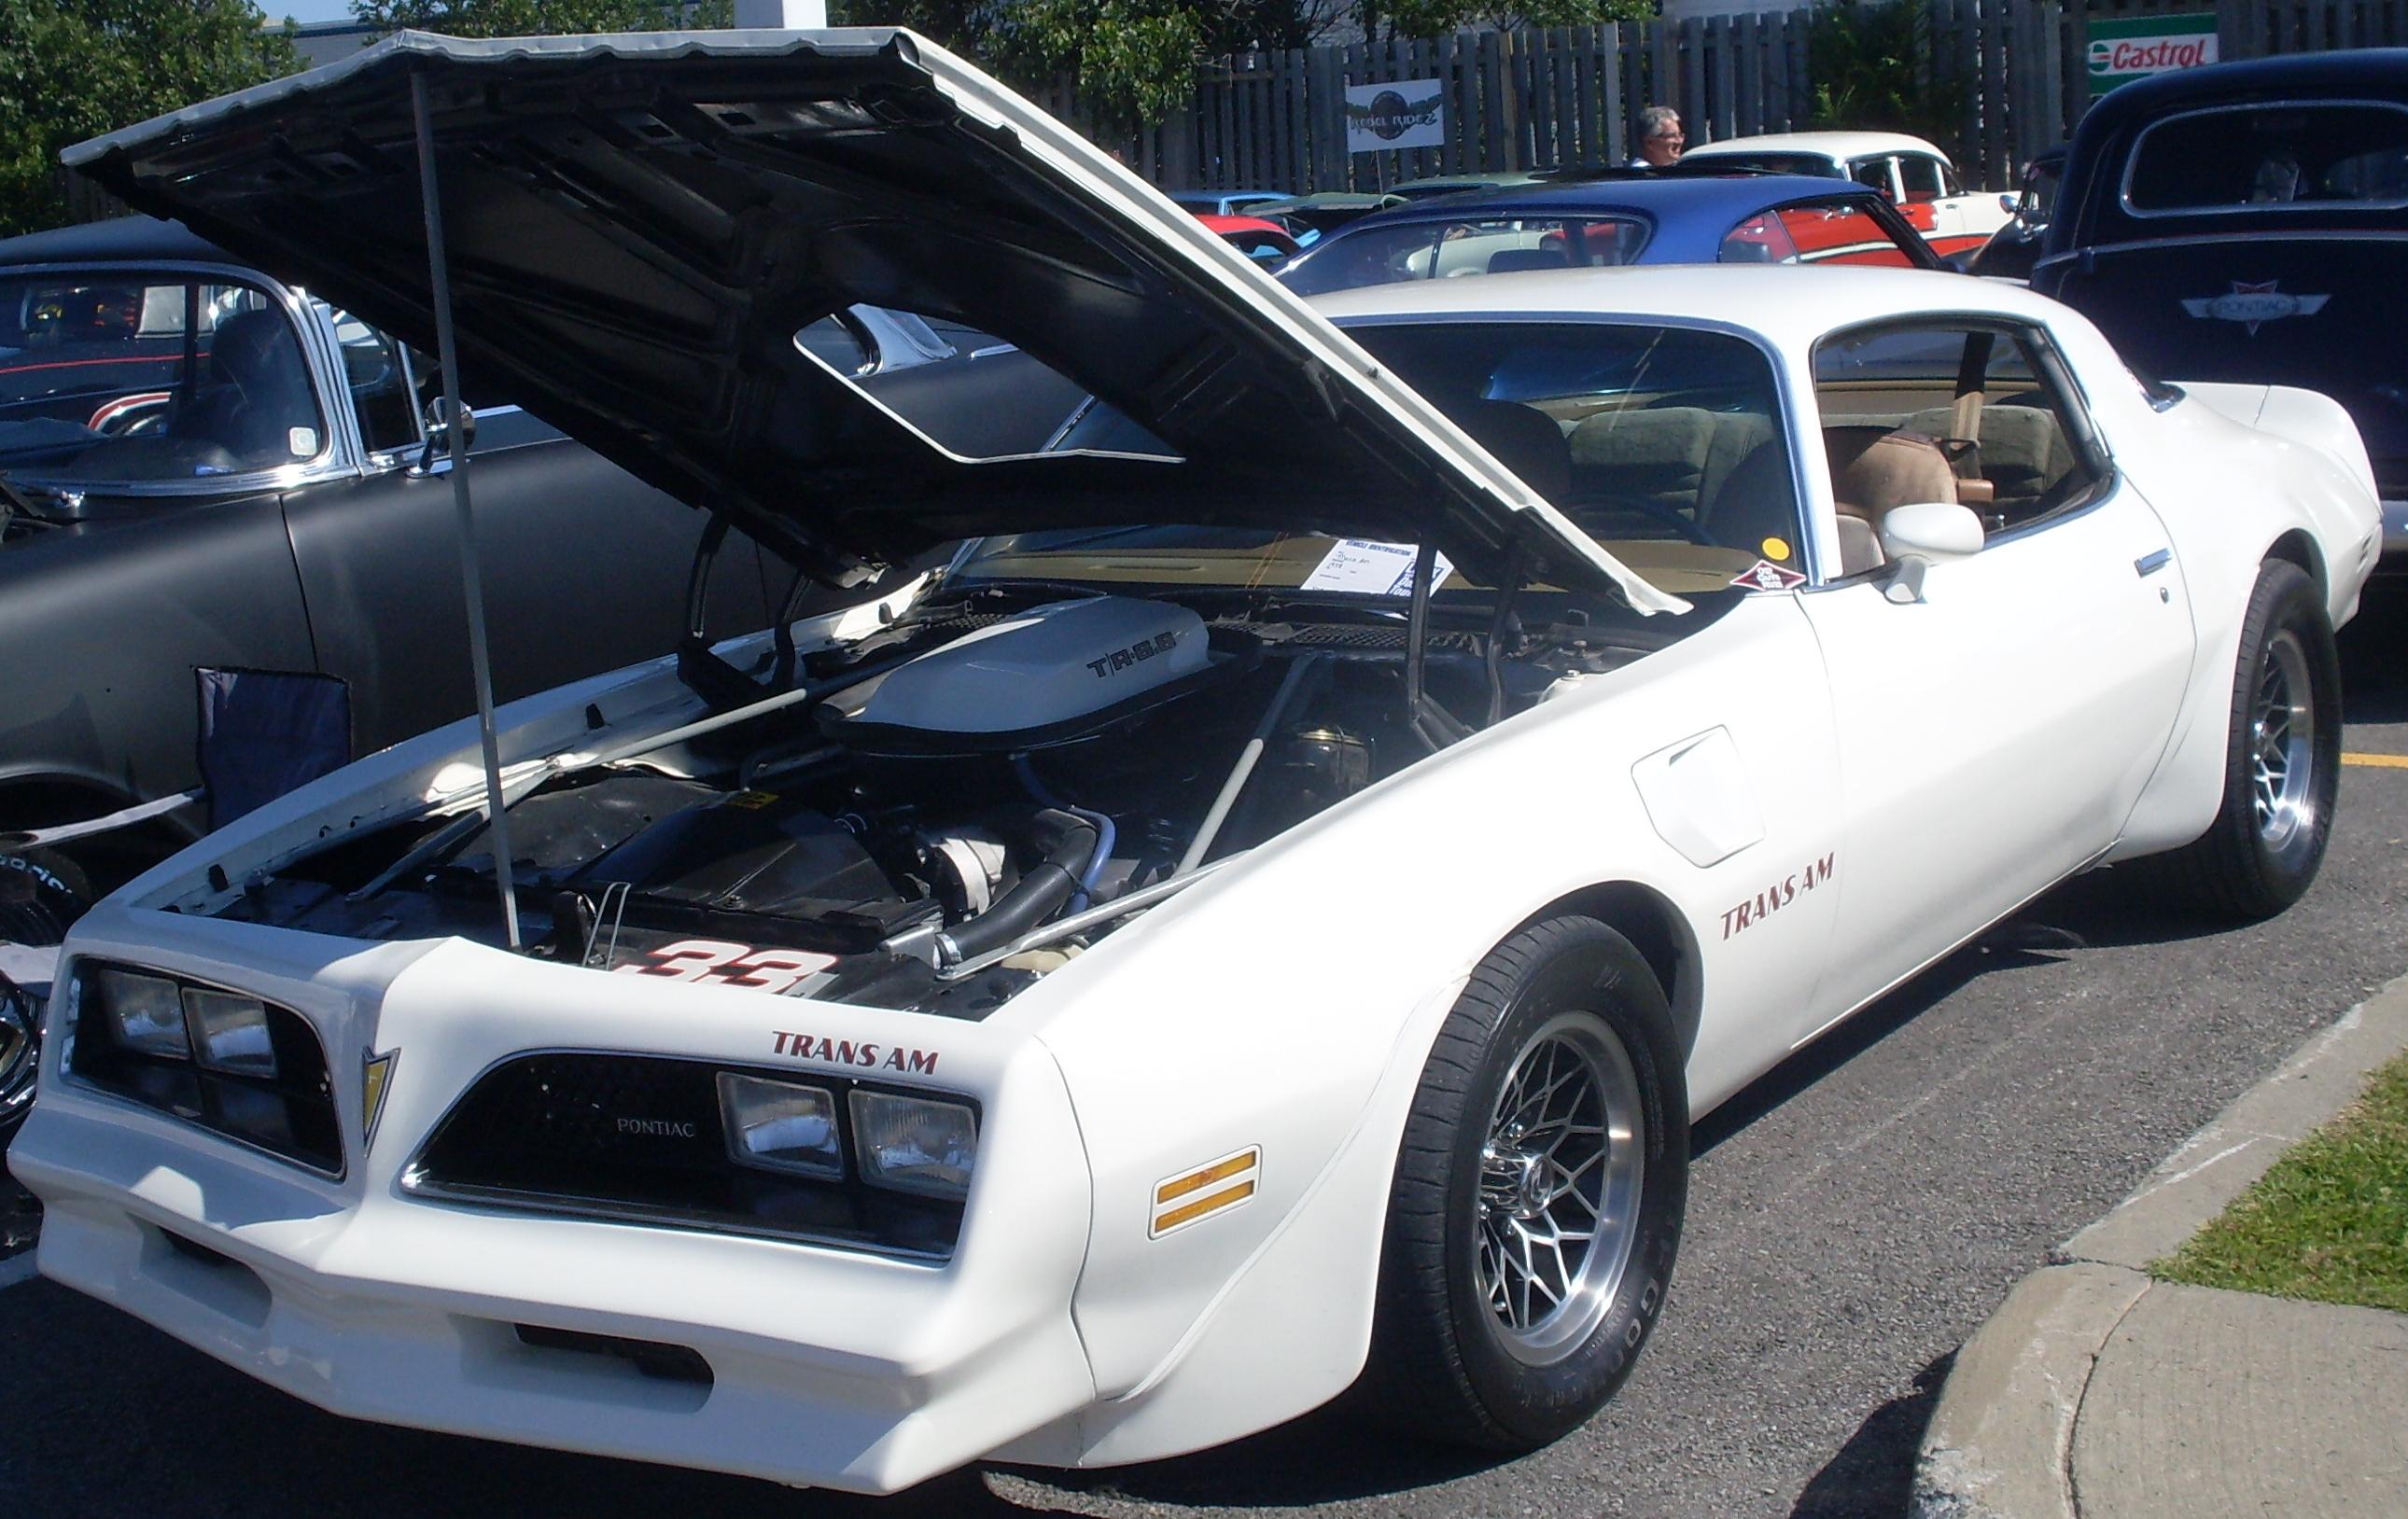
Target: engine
{"x": 1049, "y": 676}
{"x": 969, "y": 799}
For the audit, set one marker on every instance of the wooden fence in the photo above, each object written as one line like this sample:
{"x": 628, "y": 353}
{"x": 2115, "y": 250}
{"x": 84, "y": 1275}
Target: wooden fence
{"x": 1565, "y": 95}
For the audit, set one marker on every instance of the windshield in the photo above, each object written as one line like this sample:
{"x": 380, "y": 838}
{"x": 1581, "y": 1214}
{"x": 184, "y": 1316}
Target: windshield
{"x": 1468, "y": 245}
{"x": 2042, "y": 178}
{"x": 1662, "y": 443}
{"x": 118, "y": 377}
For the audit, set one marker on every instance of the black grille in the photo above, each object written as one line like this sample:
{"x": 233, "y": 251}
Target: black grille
{"x": 290, "y": 1116}
{"x": 1353, "y": 636}
{"x": 639, "y": 1138}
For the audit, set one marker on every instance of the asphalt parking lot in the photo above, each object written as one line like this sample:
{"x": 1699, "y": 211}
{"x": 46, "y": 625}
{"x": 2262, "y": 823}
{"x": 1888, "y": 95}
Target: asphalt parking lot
{"x": 1852, "y": 1217}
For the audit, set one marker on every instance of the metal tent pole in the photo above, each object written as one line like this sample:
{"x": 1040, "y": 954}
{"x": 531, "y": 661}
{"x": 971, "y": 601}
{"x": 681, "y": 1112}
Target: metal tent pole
{"x": 447, "y": 354}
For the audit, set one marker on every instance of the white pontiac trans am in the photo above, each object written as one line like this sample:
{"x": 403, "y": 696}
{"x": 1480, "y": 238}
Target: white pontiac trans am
{"x": 1264, "y": 917}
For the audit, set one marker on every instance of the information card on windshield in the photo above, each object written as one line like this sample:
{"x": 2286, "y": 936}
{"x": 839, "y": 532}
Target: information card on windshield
{"x": 1370, "y": 568}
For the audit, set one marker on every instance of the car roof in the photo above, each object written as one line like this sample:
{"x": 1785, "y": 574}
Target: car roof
{"x": 1833, "y": 145}
{"x": 1790, "y": 306}
{"x": 2382, "y": 72}
{"x": 124, "y": 239}
{"x": 1669, "y": 195}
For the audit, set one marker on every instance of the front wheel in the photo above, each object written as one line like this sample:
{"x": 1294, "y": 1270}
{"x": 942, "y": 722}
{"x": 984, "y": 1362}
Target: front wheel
{"x": 1539, "y": 1195}
{"x": 2282, "y": 758}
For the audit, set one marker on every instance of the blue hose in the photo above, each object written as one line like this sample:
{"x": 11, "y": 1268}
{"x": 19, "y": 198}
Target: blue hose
{"x": 1106, "y": 835}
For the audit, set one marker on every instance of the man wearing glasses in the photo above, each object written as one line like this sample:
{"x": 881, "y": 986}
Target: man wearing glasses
{"x": 1660, "y": 138}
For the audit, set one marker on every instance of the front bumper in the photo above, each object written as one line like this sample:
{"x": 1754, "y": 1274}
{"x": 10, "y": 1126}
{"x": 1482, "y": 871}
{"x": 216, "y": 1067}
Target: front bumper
{"x": 824, "y": 1367}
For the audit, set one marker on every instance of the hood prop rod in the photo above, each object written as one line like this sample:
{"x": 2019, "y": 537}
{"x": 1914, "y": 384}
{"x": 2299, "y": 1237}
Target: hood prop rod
{"x": 1430, "y": 723}
{"x": 479, "y": 654}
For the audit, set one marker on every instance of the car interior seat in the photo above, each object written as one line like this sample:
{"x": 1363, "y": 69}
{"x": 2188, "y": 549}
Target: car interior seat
{"x": 1509, "y": 260}
{"x": 1755, "y": 503}
{"x": 1675, "y": 457}
{"x": 1525, "y": 440}
{"x": 1896, "y": 469}
{"x": 262, "y": 395}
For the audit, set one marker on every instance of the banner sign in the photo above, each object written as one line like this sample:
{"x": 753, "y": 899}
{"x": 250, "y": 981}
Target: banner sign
{"x": 1407, "y": 113}
{"x": 2122, "y": 50}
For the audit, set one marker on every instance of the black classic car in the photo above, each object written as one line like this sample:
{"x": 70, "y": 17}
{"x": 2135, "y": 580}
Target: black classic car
{"x": 2010, "y": 250}
{"x": 2243, "y": 222}
{"x": 208, "y": 477}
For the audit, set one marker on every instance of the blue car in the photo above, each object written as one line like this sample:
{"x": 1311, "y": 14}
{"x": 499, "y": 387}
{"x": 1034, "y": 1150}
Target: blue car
{"x": 1635, "y": 219}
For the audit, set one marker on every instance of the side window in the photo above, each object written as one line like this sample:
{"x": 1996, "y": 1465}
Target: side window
{"x": 1958, "y": 413}
{"x": 1759, "y": 240}
{"x": 131, "y": 377}
{"x": 1837, "y": 233}
{"x": 377, "y": 373}
{"x": 1877, "y": 173}
{"x": 1920, "y": 177}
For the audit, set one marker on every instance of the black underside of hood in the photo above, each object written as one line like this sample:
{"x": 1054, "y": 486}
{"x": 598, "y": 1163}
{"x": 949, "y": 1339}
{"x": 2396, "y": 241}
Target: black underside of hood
{"x": 639, "y": 226}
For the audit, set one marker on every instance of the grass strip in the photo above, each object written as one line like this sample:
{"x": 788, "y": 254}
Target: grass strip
{"x": 2330, "y": 1221}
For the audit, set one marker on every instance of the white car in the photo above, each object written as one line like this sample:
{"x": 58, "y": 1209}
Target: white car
{"x": 1917, "y": 177}
{"x": 1265, "y": 919}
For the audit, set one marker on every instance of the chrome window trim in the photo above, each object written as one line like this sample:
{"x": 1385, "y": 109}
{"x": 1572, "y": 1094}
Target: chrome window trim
{"x": 1785, "y": 391}
{"x": 2133, "y": 160}
{"x": 338, "y": 457}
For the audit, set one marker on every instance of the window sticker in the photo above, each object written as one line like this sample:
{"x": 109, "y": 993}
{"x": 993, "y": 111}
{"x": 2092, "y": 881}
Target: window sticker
{"x": 1764, "y": 575}
{"x": 1376, "y": 569}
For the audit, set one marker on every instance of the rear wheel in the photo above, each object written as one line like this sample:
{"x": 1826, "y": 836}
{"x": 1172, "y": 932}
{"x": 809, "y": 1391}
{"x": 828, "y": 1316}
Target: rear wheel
{"x": 1539, "y": 1195}
{"x": 2282, "y": 758}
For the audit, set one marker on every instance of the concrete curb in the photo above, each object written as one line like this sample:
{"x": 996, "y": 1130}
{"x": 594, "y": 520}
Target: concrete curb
{"x": 2000, "y": 1444}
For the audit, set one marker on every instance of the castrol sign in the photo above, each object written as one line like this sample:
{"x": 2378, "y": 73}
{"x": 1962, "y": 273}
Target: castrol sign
{"x": 2134, "y": 48}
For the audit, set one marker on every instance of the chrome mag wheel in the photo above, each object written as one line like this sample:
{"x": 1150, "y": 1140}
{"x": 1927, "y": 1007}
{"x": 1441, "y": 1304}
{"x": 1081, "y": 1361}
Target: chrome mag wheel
{"x": 1559, "y": 1188}
{"x": 2283, "y": 741}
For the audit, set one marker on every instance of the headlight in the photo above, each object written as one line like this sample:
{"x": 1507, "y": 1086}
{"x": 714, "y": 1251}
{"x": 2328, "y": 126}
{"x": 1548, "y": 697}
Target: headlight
{"x": 780, "y": 1126}
{"x": 912, "y": 1144}
{"x": 145, "y": 1013}
{"x": 230, "y": 1032}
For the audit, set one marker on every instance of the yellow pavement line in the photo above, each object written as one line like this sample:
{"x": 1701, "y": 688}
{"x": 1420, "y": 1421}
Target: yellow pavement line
{"x": 2388, "y": 762}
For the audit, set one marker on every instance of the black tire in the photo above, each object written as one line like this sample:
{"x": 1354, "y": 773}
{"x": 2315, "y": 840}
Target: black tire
{"x": 1444, "y": 1362}
{"x": 2250, "y": 864}
{"x": 42, "y": 893}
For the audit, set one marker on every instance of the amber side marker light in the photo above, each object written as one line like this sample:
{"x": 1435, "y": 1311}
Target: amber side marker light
{"x": 1223, "y": 1184}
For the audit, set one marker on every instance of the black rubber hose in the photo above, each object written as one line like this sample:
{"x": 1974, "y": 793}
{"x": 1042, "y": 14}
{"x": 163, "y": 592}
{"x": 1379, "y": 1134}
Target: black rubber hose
{"x": 1069, "y": 842}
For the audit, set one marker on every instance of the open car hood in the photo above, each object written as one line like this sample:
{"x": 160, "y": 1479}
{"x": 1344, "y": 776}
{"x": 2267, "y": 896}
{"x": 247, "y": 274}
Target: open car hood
{"x": 639, "y": 224}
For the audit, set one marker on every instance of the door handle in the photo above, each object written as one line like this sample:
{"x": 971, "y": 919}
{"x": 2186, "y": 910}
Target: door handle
{"x": 2149, "y": 563}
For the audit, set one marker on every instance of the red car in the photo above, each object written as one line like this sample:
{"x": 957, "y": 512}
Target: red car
{"x": 1266, "y": 243}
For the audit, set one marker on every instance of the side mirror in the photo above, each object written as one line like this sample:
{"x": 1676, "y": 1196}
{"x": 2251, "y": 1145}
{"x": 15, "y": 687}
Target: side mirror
{"x": 1915, "y": 538}
{"x": 436, "y": 456}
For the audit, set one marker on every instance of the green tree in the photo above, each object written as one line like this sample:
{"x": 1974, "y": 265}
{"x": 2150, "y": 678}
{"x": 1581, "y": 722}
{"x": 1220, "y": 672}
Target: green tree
{"x": 538, "y": 18}
{"x": 71, "y": 69}
{"x": 1873, "y": 67}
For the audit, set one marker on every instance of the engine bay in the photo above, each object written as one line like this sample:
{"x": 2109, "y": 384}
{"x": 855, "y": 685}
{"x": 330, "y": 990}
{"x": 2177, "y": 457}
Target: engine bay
{"x": 963, "y": 800}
